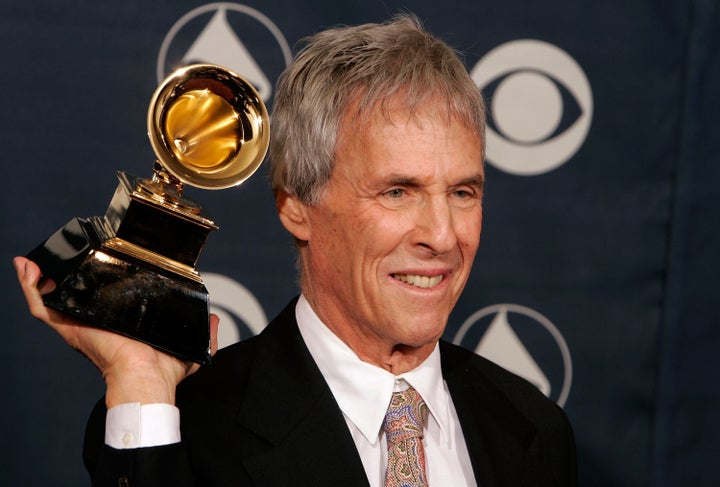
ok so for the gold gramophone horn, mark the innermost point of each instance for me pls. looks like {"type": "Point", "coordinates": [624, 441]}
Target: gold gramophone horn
{"type": "Point", "coordinates": [208, 127]}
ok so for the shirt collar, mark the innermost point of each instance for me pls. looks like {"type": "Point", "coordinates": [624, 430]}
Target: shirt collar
{"type": "Point", "coordinates": [363, 390]}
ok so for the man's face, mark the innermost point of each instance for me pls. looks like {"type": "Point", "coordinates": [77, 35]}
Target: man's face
{"type": "Point", "coordinates": [392, 240]}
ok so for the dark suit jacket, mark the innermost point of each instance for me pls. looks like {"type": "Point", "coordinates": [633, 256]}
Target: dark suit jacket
{"type": "Point", "coordinates": [263, 415]}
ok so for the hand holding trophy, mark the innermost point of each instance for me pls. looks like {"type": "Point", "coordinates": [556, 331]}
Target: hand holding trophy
{"type": "Point", "coordinates": [132, 271]}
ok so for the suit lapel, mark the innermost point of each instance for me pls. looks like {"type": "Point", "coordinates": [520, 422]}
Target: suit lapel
{"type": "Point", "coordinates": [498, 436]}
{"type": "Point", "coordinates": [289, 405]}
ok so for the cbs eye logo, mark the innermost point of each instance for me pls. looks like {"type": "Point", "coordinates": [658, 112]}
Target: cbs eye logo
{"type": "Point", "coordinates": [540, 106]}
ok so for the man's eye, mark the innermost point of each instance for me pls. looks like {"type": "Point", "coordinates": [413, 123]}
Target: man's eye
{"type": "Point", "coordinates": [466, 197]}
{"type": "Point", "coordinates": [395, 193]}
{"type": "Point", "coordinates": [463, 193]}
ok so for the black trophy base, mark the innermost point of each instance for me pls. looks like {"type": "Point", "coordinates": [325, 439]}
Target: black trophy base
{"type": "Point", "coordinates": [112, 291]}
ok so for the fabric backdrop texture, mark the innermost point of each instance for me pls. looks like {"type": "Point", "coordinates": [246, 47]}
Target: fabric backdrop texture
{"type": "Point", "coordinates": [597, 274]}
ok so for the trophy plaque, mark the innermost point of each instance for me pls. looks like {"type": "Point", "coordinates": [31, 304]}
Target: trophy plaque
{"type": "Point", "coordinates": [132, 271]}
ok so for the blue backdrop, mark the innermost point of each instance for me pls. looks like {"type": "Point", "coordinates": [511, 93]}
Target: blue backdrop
{"type": "Point", "coordinates": [597, 272]}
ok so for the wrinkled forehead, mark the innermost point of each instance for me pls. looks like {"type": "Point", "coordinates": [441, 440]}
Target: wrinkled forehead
{"type": "Point", "coordinates": [362, 112]}
{"type": "Point", "coordinates": [361, 115]}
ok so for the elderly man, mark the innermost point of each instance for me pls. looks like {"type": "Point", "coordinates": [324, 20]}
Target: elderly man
{"type": "Point", "coordinates": [377, 169]}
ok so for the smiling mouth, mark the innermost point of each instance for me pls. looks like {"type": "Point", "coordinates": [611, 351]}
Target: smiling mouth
{"type": "Point", "coordinates": [424, 282]}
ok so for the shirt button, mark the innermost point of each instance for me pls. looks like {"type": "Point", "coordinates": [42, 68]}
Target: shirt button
{"type": "Point", "coordinates": [127, 439]}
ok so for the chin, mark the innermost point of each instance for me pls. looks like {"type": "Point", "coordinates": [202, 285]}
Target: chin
{"type": "Point", "coordinates": [423, 336]}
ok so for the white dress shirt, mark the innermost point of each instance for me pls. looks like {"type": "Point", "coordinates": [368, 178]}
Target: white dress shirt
{"type": "Point", "coordinates": [362, 391]}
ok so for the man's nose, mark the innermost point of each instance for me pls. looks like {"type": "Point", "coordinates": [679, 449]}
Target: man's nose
{"type": "Point", "coordinates": [435, 227]}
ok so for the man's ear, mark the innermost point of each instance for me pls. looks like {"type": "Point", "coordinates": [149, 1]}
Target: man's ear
{"type": "Point", "coordinates": [293, 215]}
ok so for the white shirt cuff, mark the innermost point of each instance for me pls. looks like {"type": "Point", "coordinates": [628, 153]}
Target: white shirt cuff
{"type": "Point", "coordinates": [134, 425]}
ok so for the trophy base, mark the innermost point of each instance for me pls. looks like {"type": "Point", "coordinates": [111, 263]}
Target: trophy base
{"type": "Point", "coordinates": [128, 296]}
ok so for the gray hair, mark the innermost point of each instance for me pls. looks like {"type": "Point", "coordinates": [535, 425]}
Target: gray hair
{"type": "Point", "coordinates": [369, 64]}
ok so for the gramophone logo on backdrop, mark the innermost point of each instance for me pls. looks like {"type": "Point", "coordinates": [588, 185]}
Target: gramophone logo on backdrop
{"type": "Point", "coordinates": [540, 106]}
{"type": "Point", "coordinates": [524, 342]}
{"type": "Point", "coordinates": [232, 35]}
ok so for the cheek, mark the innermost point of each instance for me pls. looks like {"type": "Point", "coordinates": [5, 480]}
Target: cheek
{"type": "Point", "coordinates": [469, 236]}
{"type": "Point", "coordinates": [326, 247]}
{"type": "Point", "coordinates": [386, 241]}
{"type": "Point", "coordinates": [344, 246]}
{"type": "Point", "coordinates": [471, 225]}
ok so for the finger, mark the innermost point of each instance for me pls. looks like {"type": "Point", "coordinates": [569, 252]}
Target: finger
{"type": "Point", "coordinates": [45, 286]}
{"type": "Point", "coordinates": [214, 326]}
{"type": "Point", "coordinates": [31, 282]}
{"type": "Point", "coordinates": [20, 264]}
{"type": "Point", "coordinates": [29, 275]}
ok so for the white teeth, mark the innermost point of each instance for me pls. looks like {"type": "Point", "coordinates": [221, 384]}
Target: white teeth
{"type": "Point", "coordinates": [424, 282]}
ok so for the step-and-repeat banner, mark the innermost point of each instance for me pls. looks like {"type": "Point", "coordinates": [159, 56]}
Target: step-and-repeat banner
{"type": "Point", "coordinates": [596, 277]}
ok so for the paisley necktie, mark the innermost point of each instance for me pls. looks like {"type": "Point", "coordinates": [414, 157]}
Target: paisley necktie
{"type": "Point", "coordinates": [404, 423]}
